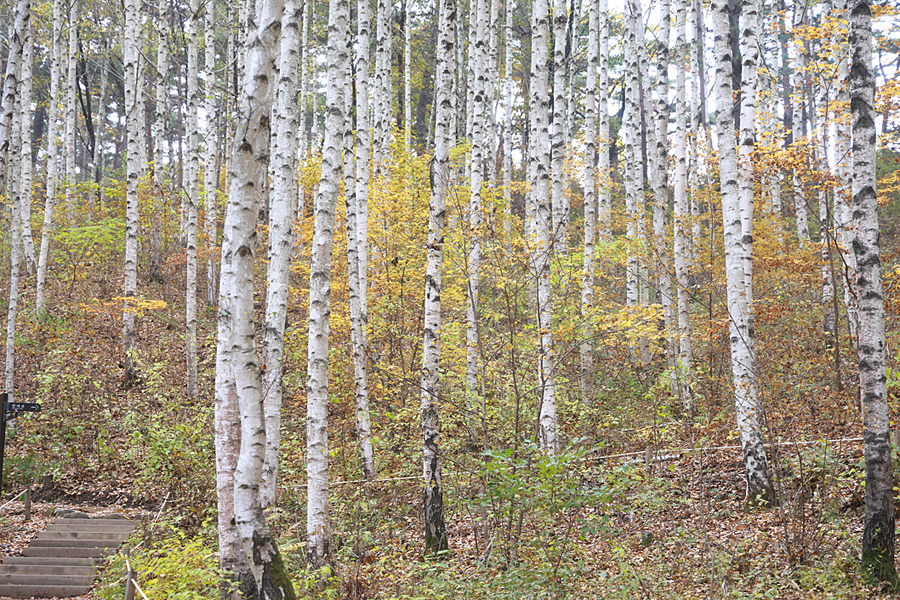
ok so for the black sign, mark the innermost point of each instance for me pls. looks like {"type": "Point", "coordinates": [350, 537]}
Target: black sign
{"type": "Point", "coordinates": [23, 406]}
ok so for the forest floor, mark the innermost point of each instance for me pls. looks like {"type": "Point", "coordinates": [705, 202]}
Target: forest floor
{"type": "Point", "coordinates": [677, 526]}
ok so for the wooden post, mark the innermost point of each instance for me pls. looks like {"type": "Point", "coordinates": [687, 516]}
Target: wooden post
{"type": "Point", "coordinates": [129, 584]}
{"type": "Point", "coordinates": [28, 503]}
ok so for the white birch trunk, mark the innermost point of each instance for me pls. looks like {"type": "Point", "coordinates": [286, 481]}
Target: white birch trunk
{"type": "Point", "coordinates": [159, 131]}
{"type": "Point", "coordinates": [843, 194]}
{"type": "Point", "coordinates": [304, 67]}
{"type": "Point", "coordinates": [541, 246]}
{"type": "Point", "coordinates": [879, 527]}
{"type": "Point", "coordinates": [248, 178]}
{"type": "Point", "coordinates": [743, 364]}
{"type": "Point", "coordinates": [604, 206]}
{"type": "Point", "coordinates": [682, 218]}
{"type": "Point", "coordinates": [586, 347]}
{"type": "Point", "coordinates": [211, 172]}
{"type": "Point", "coordinates": [16, 193]}
{"type": "Point", "coordinates": [433, 492]}
{"type": "Point", "coordinates": [24, 100]}
{"type": "Point", "coordinates": [746, 147]}
{"type": "Point", "coordinates": [192, 199]}
{"type": "Point", "coordinates": [363, 168]}
{"type": "Point", "coordinates": [133, 124]}
{"type": "Point", "coordinates": [281, 221]}
{"type": "Point", "coordinates": [560, 203]}
{"type": "Point", "coordinates": [317, 525]}
{"type": "Point", "coordinates": [71, 114]}
{"type": "Point", "coordinates": [382, 104]}
{"type": "Point", "coordinates": [407, 80]}
{"type": "Point", "coordinates": [507, 108]}
{"type": "Point", "coordinates": [634, 188]}
{"type": "Point", "coordinates": [52, 155]}
{"type": "Point", "coordinates": [477, 60]}
{"type": "Point", "coordinates": [10, 85]}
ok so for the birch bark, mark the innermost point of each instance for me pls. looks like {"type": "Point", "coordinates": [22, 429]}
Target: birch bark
{"type": "Point", "coordinates": [269, 578]}
{"type": "Point", "coordinates": [879, 527]}
{"type": "Point", "coordinates": [26, 116]}
{"type": "Point", "coordinates": [192, 199]}
{"type": "Point", "coordinates": [560, 205]}
{"type": "Point", "coordinates": [133, 123]}
{"type": "Point", "coordinates": [477, 59]}
{"type": "Point", "coordinates": [433, 491]}
{"type": "Point", "coordinates": [604, 207]}
{"type": "Point", "coordinates": [541, 244]}
{"type": "Point", "coordinates": [743, 364]}
{"type": "Point", "coordinates": [211, 172]}
{"type": "Point", "coordinates": [52, 155]}
{"type": "Point", "coordinates": [586, 347]}
{"type": "Point", "coordinates": [281, 221]}
{"type": "Point", "coordinates": [317, 525]}
{"type": "Point", "coordinates": [71, 108]}
{"type": "Point", "coordinates": [682, 218]}
{"type": "Point", "coordinates": [363, 169]}
{"type": "Point", "coordinates": [10, 85]}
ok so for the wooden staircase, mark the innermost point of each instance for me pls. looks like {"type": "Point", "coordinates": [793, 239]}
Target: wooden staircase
{"type": "Point", "coordinates": [61, 561]}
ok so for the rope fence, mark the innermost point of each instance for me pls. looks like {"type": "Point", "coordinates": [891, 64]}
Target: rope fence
{"type": "Point", "coordinates": [663, 455]}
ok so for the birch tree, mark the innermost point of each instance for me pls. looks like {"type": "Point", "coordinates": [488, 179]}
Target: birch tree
{"type": "Point", "coordinates": [23, 98]}
{"type": "Point", "coordinates": [586, 349]}
{"type": "Point", "coordinates": [560, 205]}
{"type": "Point", "coordinates": [604, 211]}
{"type": "Point", "coordinates": [10, 84]}
{"type": "Point", "coordinates": [14, 150]}
{"type": "Point", "coordinates": [540, 245]}
{"type": "Point", "coordinates": [193, 197]}
{"type": "Point", "coordinates": [71, 110]}
{"type": "Point", "coordinates": [52, 155]}
{"type": "Point", "coordinates": [361, 239]}
{"type": "Point", "coordinates": [682, 216]}
{"type": "Point", "coordinates": [879, 527]}
{"type": "Point", "coordinates": [749, 58]}
{"type": "Point", "coordinates": [743, 363]}
{"type": "Point", "coordinates": [433, 491]}
{"type": "Point", "coordinates": [211, 173]}
{"type": "Point", "coordinates": [281, 221]}
{"type": "Point", "coordinates": [266, 577]}
{"type": "Point", "coordinates": [478, 116]}
{"type": "Point", "coordinates": [317, 525]}
{"type": "Point", "coordinates": [634, 188]}
{"type": "Point", "coordinates": [133, 124]}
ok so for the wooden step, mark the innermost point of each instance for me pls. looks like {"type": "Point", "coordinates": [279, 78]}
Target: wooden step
{"type": "Point", "coordinates": [81, 535]}
{"type": "Point", "coordinates": [51, 560]}
{"type": "Point", "coordinates": [79, 543]}
{"type": "Point", "coordinates": [28, 579]}
{"type": "Point", "coordinates": [109, 523]}
{"type": "Point", "coordinates": [68, 552]}
{"type": "Point", "coordinates": [43, 590]}
{"type": "Point", "coordinates": [44, 569]}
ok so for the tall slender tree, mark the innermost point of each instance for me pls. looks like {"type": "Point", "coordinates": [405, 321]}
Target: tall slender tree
{"type": "Point", "coordinates": [133, 123]}
{"type": "Point", "coordinates": [542, 222]}
{"type": "Point", "coordinates": [682, 217]}
{"type": "Point", "coordinates": [281, 220]}
{"type": "Point", "coordinates": [361, 240]}
{"type": "Point", "coordinates": [317, 524]}
{"type": "Point", "coordinates": [743, 362]}
{"type": "Point", "coordinates": [266, 577]}
{"type": "Point", "coordinates": [586, 349]}
{"type": "Point", "coordinates": [879, 527]}
{"type": "Point", "coordinates": [560, 204]}
{"type": "Point", "coordinates": [52, 155]}
{"type": "Point", "coordinates": [433, 490]}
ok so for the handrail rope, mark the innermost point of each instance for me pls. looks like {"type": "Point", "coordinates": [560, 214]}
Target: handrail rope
{"type": "Point", "coordinates": [665, 453]}
{"type": "Point", "coordinates": [14, 498]}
